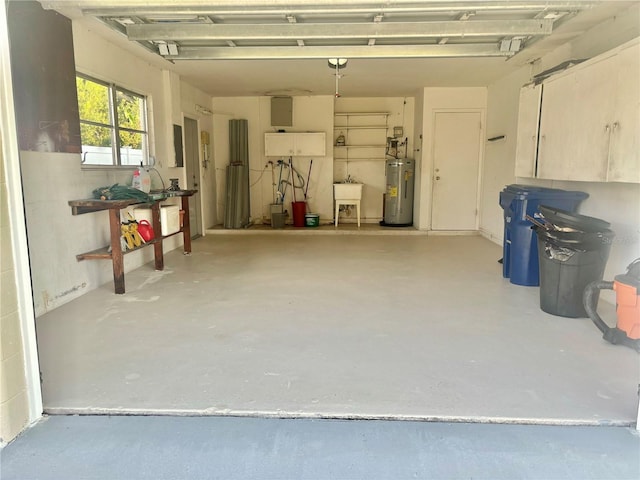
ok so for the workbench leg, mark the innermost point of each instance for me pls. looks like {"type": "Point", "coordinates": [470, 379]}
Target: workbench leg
{"type": "Point", "coordinates": [157, 231]}
{"type": "Point", "coordinates": [116, 250]}
{"type": "Point", "coordinates": [186, 226]}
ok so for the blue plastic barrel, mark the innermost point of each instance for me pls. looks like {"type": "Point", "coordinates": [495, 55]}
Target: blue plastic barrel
{"type": "Point", "coordinates": [520, 246]}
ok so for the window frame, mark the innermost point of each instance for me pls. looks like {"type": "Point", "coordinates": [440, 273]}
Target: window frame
{"type": "Point", "coordinates": [114, 126]}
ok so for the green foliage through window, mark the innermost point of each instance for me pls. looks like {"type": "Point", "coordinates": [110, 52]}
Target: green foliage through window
{"type": "Point", "coordinates": [113, 124]}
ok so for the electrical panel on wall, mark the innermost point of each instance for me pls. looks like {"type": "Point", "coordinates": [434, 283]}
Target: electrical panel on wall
{"type": "Point", "coordinates": [281, 111]}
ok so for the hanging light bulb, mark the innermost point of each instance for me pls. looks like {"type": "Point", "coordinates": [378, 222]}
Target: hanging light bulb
{"type": "Point", "coordinates": [337, 63]}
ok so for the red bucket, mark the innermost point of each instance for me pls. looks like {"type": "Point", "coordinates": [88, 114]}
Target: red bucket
{"type": "Point", "coordinates": [299, 210]}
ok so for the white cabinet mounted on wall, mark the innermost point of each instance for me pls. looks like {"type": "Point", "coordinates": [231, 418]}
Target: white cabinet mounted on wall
{"type": "Point", "coordinates": [311, 144]}
{"type": "Point", "coordinates": [584, 124]}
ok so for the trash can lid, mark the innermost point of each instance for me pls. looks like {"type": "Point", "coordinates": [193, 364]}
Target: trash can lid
{"type": "Point", "coordinates": [541, 192]}
{"type": "Point", "coordinates": [563, 218]}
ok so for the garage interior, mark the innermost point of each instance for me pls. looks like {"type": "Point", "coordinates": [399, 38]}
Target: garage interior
{"type": "Point", "coordinates": [346, 322]}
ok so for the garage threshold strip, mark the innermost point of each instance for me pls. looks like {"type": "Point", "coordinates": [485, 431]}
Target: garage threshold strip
{"type": "Point", "coordinates": [337, 416]}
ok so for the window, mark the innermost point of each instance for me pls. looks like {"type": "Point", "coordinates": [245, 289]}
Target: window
{"type": "Point", "coordinates": [113, 124]}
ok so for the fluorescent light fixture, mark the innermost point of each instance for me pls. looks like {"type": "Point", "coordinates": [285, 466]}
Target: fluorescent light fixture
{"type": "Point", "coordinates": [163, 48]}
{"type": "Point", "coordinates": [173, 49]}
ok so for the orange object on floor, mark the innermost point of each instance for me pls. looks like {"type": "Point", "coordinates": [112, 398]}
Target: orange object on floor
{"type": "Point", "coordinates": [628, 309]}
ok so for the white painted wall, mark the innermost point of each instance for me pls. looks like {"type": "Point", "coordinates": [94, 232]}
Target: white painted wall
{"type": "Point", "coordinates": [418, 154]}
{"type": "Point", "coordinates": [310, 114]}
{"type": "Point", "coordinates": [440, 99]}
{"type": "Point", "coordinates": [499, 163]}
{"type": "Point", "coordinates": [615, 202]}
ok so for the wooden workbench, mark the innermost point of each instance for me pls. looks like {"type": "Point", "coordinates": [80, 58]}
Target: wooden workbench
{"type": "Point", "coordinates": [114, 250]}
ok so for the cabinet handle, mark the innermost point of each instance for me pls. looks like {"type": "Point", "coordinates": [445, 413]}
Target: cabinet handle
{"type": "Point", "coordinates": [615, 126]}
{"type": "Point", "coordinates": [609, 129]}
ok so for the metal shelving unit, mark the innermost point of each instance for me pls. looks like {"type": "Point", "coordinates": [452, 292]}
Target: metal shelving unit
{"type": "Point", "coordinates": [363, 122]}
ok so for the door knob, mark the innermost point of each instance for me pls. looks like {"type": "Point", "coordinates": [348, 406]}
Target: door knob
{"type": "Point", "coordinates": [438, 178]}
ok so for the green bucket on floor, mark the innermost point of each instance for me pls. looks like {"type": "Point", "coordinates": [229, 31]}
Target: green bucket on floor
{"type": "Point", "coordinates": [311, 220]}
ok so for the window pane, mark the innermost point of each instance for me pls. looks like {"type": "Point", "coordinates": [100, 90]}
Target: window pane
{"type": "Point", "coordinates": [96, 145]}
{"type": "Point", "coordinates": [130, 110]}
{"type": "Point", "coordinates": [93, 101]}
{"type": "Point", "coordinates": [133, 148]}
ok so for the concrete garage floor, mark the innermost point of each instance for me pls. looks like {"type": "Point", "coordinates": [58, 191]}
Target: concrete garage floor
{"type": "Point", "coordinates": [340, 326]}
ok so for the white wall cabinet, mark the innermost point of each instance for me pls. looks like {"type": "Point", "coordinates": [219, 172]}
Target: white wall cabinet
{"type": "Point", "coordinates": [295, 144]}
{"type": "Point", "coordinates": [578, 110]}
{"type": "Point", "coordinates": [589, 122]}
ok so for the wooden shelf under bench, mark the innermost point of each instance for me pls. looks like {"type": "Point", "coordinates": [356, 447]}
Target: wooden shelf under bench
{"type": "Point", "coordinates": [81, 207]}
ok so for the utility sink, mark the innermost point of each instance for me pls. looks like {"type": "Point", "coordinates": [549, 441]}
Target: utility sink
{"type": "Point", "coordinates": [347, 194]}
{"type": "Point", "coordinates": [347, 191]}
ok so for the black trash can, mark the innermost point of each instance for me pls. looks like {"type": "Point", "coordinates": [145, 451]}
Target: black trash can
{"type": "Point", "coordinates": [573, 251]}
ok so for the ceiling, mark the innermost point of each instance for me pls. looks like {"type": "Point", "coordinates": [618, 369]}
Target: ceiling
{"type": "Point", "coordinates": [394, 48]}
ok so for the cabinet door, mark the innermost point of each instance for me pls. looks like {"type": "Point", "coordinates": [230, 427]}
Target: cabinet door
{"type": "Point", "coordinates": [594, 115]}
{"type": "Point", "coordinates": [310, 144]}
{"type": "Point", "coordinates": [276, 144]}
{"type": "Point", "coordinates": [624, 154]}
{"type": "Point", "coordinates": [527, 136]}
{"type": "Point", "coordinates": [575, 127]}
{"type": "Point", "coordinates": [557, 126]}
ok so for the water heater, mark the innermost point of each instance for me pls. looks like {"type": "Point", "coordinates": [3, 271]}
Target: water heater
{"type": "Point", "coordinates": [398, 199]}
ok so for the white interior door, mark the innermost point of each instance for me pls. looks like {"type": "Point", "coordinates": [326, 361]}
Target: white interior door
{"type": "Point", "coordinates": [192, 164]}
{"type": "Point", "coordinates": [456, 160]}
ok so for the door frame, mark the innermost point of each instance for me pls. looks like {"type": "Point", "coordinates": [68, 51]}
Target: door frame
{"type": "Point", "coordinates": [18, 231]}
{"type": "Point", "coordinates": [481, 148]}
{"type": "Point", "coordinates": [197, 205]}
